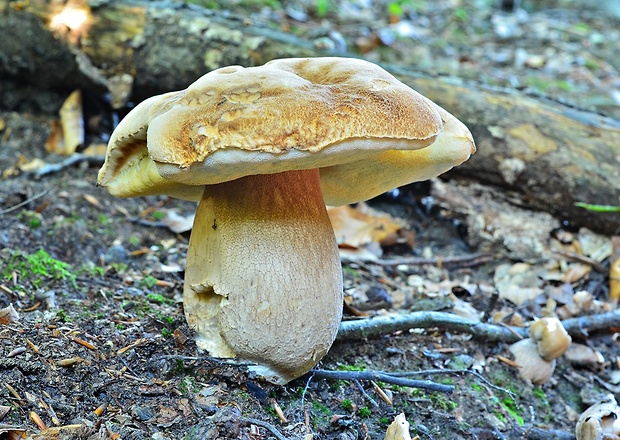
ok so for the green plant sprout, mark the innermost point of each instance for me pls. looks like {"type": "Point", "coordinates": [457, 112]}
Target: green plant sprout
{"type": "Point", "coordinates": [599, 208]}
{"type": "Point", "coordinates": [38, 268]}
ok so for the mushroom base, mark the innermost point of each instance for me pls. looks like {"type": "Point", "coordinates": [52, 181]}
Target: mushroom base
{"type": "Point", "coordinates": [263, 280]}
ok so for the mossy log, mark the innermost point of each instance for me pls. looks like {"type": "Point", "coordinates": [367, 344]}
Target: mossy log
{"type": "Point", "coordinates": [549, 153]}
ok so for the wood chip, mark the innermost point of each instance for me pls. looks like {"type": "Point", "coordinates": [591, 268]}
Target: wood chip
{"type": "Point", "coordinates": [69, 362]}
{"type": "Point", "coordinates": [32, 346]}
{"type": "Point", "coordinates": [507, 361]}
{"type": "Point", "coordinates": [84, 343]}
{"type": "Point", "coordinates": [100, 409]}
{"type": "Point", "coordinates": [130, 346]}
{"type": "Point", "coordinates": [15, 394]}
{"type": "Point", "coordinates": [37, 420]}
{"type": "Point", "coordinates": [16, 351]}
{"type": "Point", "coordinates": [382, 394]}
{"type": "Point", "coordinates": [279, 411]}
{"type": "Point", "coordinates": [93, 201]}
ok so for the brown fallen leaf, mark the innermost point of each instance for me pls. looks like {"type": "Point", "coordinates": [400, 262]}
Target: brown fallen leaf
{"type": "Point", "coordinates": [54, 141]}
{"type": "Point", "coordinates": [355, 227]}
{"type": "Point", "coordinates": [8, 315]}
{"type": "Point", "coordinates": [93, 201]}
{"type": "Point", "coordinates": [72, 123]}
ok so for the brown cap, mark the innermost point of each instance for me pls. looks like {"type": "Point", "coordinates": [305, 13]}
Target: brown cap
{"type": "Point", "coordinates": [532, 367]}
{"type": "Point", "coordinates": [551, 337]}
{"type": "Point", "coordinates": [366, 131]}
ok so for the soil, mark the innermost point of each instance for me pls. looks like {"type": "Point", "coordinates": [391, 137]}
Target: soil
{"type": "Point", "coordinates": [101, 348]}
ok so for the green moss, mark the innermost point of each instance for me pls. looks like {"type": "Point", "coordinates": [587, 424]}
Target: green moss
{"type": "Point", "coordinates": [32, 219]}
{"type": "Point", "coordinates": [38, 268]}
{"type": "Point", "coordinates": [158, 298]}
{"type": "Point", "coordinates": [189, 384]}
{"type": "Point", "coordinates": [158, 215]}
{"type": "Point", "coordinates": [62, 316]}
{"type": "Point", "coordinates": [511, 408]}
{"type": "Point", "coordinates": [356, 367]}
{"type": "Point", "coordinates": [148, 282]}
{"type": "Point", "coordinates": [347, 404]}
{"type": "Point", "coordinates": [364, 411]}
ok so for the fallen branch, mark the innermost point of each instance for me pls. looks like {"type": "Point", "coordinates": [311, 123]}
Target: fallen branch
{"type": "Point", "coordinates": [574, 256]}
{"type": "Point", "coordinates": [383, 325]}
{"type": "Point", "coordinates": [582, 325]}
{"type": "Point", "coordinates": [265, 425]}
{"type": "Point", "coordinates": [383, 377]}
{"type": "Point", "coordinates": [458, 260]}
{"type": "Point", "coordinates": [25, 202]}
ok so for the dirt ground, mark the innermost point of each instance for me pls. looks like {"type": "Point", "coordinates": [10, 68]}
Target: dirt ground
{"type": "Point", "coordinates": [101, 348]}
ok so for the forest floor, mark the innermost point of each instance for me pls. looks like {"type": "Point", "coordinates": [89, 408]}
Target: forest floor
{"type": "Point", "coordinates": [101, 347]}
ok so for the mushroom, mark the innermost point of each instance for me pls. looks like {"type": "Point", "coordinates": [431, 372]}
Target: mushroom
{"type": "Point", "coordinates": [262, 149]}
{"type": "Point", "coordinates": [532, 367]}
{"type": "Point", "coordinates": [536, 355]}
{"type": "Point", "coordinates": [551, 337]}
{"type": "Point", "coordinates": [600, 422]}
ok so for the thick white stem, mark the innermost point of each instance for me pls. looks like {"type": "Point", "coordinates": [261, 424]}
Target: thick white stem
{"type": "Point", "coordinates": [263, 280]}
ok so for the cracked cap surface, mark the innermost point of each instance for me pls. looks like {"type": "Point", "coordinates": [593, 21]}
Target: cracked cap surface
{"type": "Point", "coordinates": [366, 131]}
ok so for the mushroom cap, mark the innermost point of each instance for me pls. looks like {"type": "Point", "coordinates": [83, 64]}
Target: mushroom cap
{"type": "Point", "coordinates": [532, 367]}
{"type": "Point", "coordinates": [551, 336]}
{"type": "Point", "coordinates": [600, 421]}
{"type": "Point", "coordinates": [366, 131]}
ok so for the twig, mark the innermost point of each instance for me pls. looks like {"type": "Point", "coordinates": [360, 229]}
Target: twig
{"type": "Point", "coordinates": [582, 325]}
{"type": "Point", "coordinates": [52, 168]}
{"type": "Point", "coordinates": [383, 377]}
{"type": "Point", "coordinates": [365, 394]}
{"type": "Point", "coordinates": [458, 260]}
{"type": "Point", "coordinates": [574, 256]}
{"type": "Point", "coordinates": [265, 425]}
{"type": "Point", "coordinates": [381, 325]}
{"type": "Point", "coordinates": [25, 202]}
{"type": "Point", "coordinates": [451, 371]}
{"type": "Point", "coordinates": [303, 394]}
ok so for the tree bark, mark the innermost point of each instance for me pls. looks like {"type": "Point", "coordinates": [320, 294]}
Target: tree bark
{"type": "Point", "coordinates": [550, 153]}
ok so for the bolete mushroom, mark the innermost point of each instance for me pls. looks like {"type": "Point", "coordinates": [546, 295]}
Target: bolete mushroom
{"type": "Point", "coordinates": [262, 149]}
{"type": "Point", "coordinates": [551, 336]}
{"type": "Point", "coordinates": [536, 355]}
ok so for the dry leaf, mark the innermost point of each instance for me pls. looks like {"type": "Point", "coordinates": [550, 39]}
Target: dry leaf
{"type": "Point", "coordinates": [8, 315]}
{"type": "Point", "coordinates": [54, 140]}
{"type": "Point", "coordinates": [25, 165]}
{"type": "Point", "coordinates": [93, 201]}
{"type": "Point", "coordinates": [120, 87]}
{"type": "Point", "coordinates": [98, 149]}
{"type": "Point", "coordinates": [600, 421]}
{"type": "Point", "coordinates": [580, 354]}
{"type": "Point", "coordinates": [72, 123]}
{"type": "Point", "coordinates": [177, 223]}
{"type": "Point", "coordinates": [517, 283]}
{"type": "Point", "coordinates": [355, 228]}
{"type": "Point", "coordinates": [398, 429]}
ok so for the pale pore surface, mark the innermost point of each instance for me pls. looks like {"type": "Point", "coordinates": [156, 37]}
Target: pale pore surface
{"type": "Point", "coordinates": [263, 280]}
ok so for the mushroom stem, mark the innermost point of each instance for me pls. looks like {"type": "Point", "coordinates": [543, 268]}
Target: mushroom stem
{"type": "Point", "coordinates": [263, 280]}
